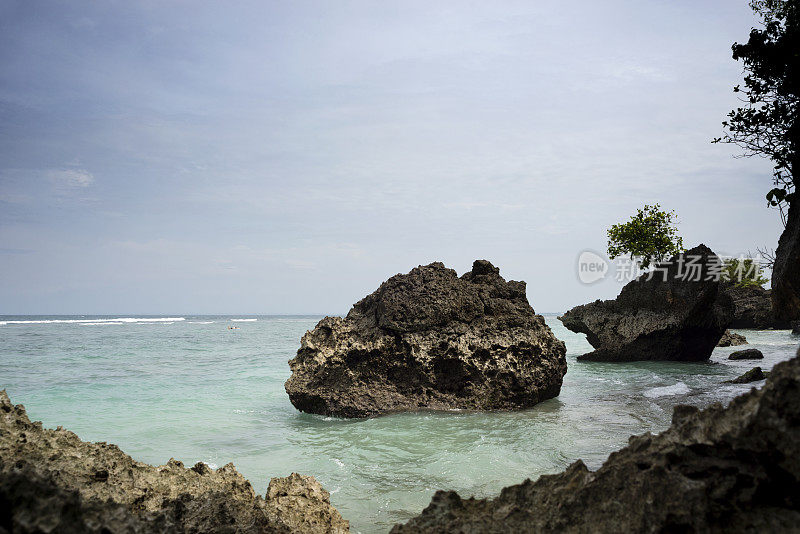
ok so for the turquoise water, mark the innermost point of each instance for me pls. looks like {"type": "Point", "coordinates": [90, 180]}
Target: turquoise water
{"type": "Point", "coordinates": [191, 388]}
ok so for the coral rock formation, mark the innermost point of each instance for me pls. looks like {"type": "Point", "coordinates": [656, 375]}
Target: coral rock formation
{"type": "Point", "coordinates": [51, 481]}
{"type": "Point", "coordinates": [430, 340]}
{"type": "Point", "coordinates": [677, 314]}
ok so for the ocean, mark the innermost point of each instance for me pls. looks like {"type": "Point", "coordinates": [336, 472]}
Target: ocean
{"type": "Point", "coordinates": [191, 388]}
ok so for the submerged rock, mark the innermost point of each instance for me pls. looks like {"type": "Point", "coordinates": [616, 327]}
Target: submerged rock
{"type": "Point", "coordinates": [734, 469]}
{"type": "Point", "coordinates": [746, 354]}
{"type": "Point", "coordinates": [51, 481]}
{"type": "Point", "coordinates": [753, 375]}
{"type": "Point", "coordinates": [731, 339]}
{"type": "Point", "coordinates": [664, 318]}
{"type": "Point", "coordinates": [430, 340]}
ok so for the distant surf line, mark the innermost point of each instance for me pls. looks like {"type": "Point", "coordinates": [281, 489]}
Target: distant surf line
{"type": "Point", "coordinates": [118, 320]}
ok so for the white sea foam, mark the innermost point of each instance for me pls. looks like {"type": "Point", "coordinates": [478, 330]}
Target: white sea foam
{"type": "Point", "coordinates": [117, 320]}
{"type": "Point", "coordinates": [243, 320]}
{"type": "Point", "coordinates": [676, 389]}
{"type": "Point", "coordinates": [150, 320]}
{"type": "Point", "coordinates": [199, 322]}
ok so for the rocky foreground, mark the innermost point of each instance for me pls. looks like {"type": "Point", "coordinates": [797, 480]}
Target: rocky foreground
{"type": "Point", "coordinates": [679, 314]}
{"type": "Point", "coordinates": [51, 481]}
{"type": "Point", "coordinates": [430, 340]}
{"type": "Point", "coordinates": [734, 469]}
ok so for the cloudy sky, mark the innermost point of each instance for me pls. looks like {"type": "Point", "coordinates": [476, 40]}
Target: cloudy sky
{"type": "Point", "coordinates": [286, 157]}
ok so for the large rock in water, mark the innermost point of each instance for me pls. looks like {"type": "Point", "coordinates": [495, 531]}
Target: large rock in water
{"type": "Point", "coordinates": [664, 318]}
{"type": "Point", "coordinates": [752, 308]}
{"type": "Point", "coordinates": [430, 340]}
{"type": "Point", "coordinates": [734, 469]}
{"type": "Point", "coordinates": [786, 269]}
{"type": "Point", "coordinates": [51, 481]}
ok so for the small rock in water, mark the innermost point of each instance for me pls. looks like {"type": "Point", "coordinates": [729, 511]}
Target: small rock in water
{"type": "Point", "coordinates": [746, 354]}
{"type": "Point", "coordinates": [753, 375]}
{"type": "Point", "coordinates": [796, 327]}
{"type": "Point", "coordinates": [731, 339]}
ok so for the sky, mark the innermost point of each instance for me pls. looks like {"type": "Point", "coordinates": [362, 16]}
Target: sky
{"type": "Point", "coordinates": [196, 157]}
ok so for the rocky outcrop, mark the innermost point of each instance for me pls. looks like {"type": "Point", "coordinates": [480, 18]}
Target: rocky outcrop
{"type": "Point", "coordinates": [795, 327]}
{"type": "Point", "coordinates": [734, 469]}
{"type": "Point", "coordinates": [746, 354]}
{"type": "Point", "coordinates": [752, 308]}
{"type": "Point", "coordinates": [731, 339]}
{"type": "Point", "coordinates": [51, 481]}
{"type": "Point", "coordinates": [786, 269]}
{"type": "Point", "coordinates": [678, 314]}
{"type": "Point", "coordinates": [301, 503]}
{"type": "Point", "coordinates": [430, 340]}
{"type": "Point", "coordinates": [753, 375]}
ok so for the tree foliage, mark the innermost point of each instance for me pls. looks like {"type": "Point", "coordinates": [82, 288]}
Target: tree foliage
{"type": "Point", "coordinates": [767, 122]}
{"type": "Point", "coordinates": [743, 272]}
{"type": "Point", "coordinates": [650, 236]}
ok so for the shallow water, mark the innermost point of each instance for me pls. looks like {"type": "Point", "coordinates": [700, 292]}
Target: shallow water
{"type": "Point", "coordinates": [191, 388]}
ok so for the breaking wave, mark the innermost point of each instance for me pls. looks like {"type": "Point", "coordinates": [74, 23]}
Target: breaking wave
{"type": "Point", "coordinates": [676, 389]}
{"type": "Point", "coordinates": [118, 320]}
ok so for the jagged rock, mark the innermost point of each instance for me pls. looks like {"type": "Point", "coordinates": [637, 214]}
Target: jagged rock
{"type": "Point", "coordinates": [753, 375]}
{"type": "Point", "coordinates": [752, 307]}
{"type": "Point", "coordinates": [301, 503]}
{"type": "Point", "coordinates": [664, 318]}
{"type": "Point", "coordinates": [430, 340]}
{"type": "Point", "coordinates": [746, 354]}
{"type": "Point", "coordinates": [731, 339]}
{"type": "Point", "coordinates": [786, 269]}
{"type": "Point", "coordinates": [734, 469]}
{"type": "Point", "coordinates": [51, 481]}
{"type": "Point", "coordinates": [795, 327]}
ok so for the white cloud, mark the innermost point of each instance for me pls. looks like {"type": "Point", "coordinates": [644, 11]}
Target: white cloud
{"type": "Point", "coordinates": [72, 177]}
{"type": "Point", "coordinates": [301, 264]}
